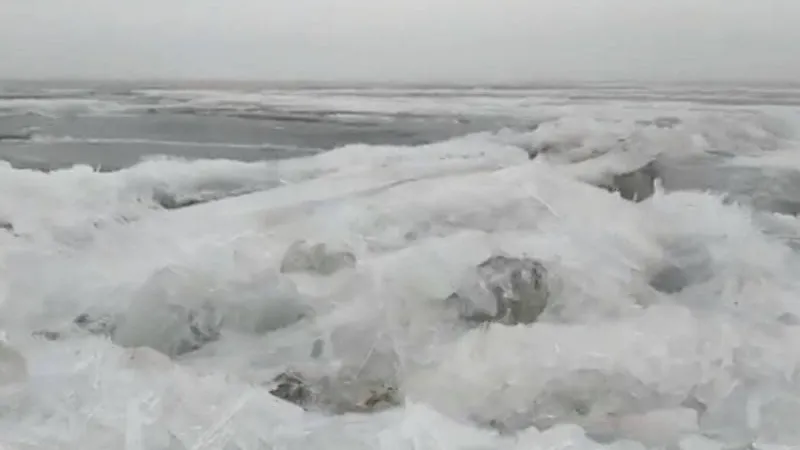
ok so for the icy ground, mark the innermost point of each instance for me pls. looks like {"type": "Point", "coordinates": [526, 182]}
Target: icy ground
{"type": "Point", "coordinates": [131, 326]}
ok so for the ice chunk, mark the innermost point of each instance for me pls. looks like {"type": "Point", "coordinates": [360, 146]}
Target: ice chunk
{"type": "Point", "coordinates": [317, 258]}
{"type": "Point", "coordinates": [777, 416]}
{"type": "Point", "coordinates": [699, 443]}
{"type": "Point", "coordinates": [566, 437]}
{"type": "Point", "coordinates": [13, 367]}
{"type": "Point", "coordinates": [171, 329]}
{"type": "Point", "coordinates": [625, 445]}
{"type": "Point", "coordinates": [586, 394]}
{"type": "Point", "coordinates": [659, 427]}
{"type": "Point", "coordinates": [730, 418]}
{"type": "Point", "coordinates": [13, 373]}
{"type": "Point", "coordinates": [144, 358]}
{"type": "Point", "coordinates": [503, 289]}
{"type": "Point", "coordinates": [179, 312]}
{"type": "Point", "coordinates": [259, 313]}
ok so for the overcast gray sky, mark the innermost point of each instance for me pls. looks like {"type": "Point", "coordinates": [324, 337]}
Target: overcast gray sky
{"type": "Point", "coordinates": [401, 40]}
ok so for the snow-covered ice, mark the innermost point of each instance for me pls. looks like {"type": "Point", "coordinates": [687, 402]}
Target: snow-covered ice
{"type": "Point", "coordinates": [193, 317]}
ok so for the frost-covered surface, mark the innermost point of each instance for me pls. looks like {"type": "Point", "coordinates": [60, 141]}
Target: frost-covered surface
{"type": "Point", "coordinates": [611, 362]}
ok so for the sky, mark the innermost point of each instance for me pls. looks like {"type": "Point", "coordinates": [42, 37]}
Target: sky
{"type": "Point", "coordinates": [401, 40]}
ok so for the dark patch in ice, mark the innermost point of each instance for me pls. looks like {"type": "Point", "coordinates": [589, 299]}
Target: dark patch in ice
{"type": "Point", "coordinates": [103, 325]}
{"type": "Point", "coordinates": [789, 319]}
{"type": "Point", "coordinates": [318, 348]}
{"type": "Point", "coordinates": [637, 185]}
{"type": "Point", "coordinates": [534, 151]}
{"type": "Point", "coordinates": [83, 323]}
{"type": "Point", "coordinates": [661, 122]}
{"type": "Point", "coordinates": [504, 290]}
{"type": "Point", "coordinates": [170, 201]}
{"type": "Point", "coordinates": [17, 136]}
{"type": "Point", "coordinates": [772, 190]}
{"type": "Point", "coordinates": [340, 396]}
{"type": "Point", "coordinates": [47, 335]}
{"type": "Point", "coordinates": [7, 226]}
{"type": "Point", "coordinates": [785, 206]}
{"type": "Point", "coordinates": [387, 396]}
{"type": "Point", "coordinates": [688, 264]}
{"type": "Point", "coordinates": [202, 331]}
{"type": "Point", "coordinates": [670, 280]}
{"type": "Point", "coordinates": [291, 386]}
{"type": "Point", "coordinates": [692, 402]}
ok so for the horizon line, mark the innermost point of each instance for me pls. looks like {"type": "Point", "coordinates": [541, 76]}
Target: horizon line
{"type": "Point", "coordinates": [533, 82]}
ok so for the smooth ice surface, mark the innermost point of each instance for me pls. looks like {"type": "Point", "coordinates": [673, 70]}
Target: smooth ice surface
{"type": "Point", "coordinates": [197, 317]}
